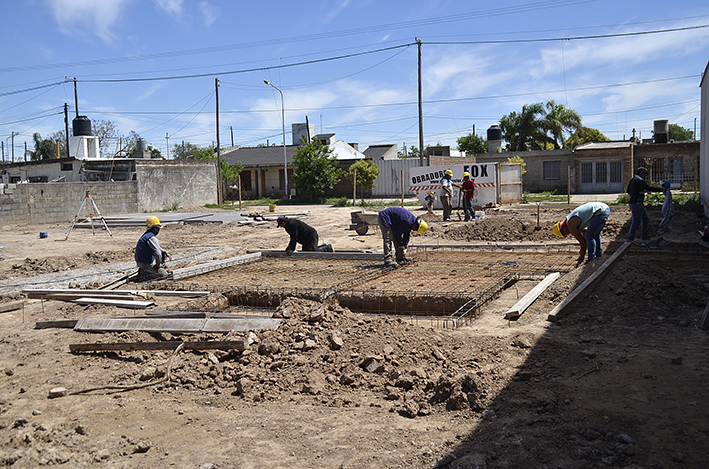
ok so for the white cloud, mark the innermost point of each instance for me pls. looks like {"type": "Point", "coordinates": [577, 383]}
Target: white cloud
{"type": "Point", "coordinates": [171, 7]}
{"type": "Point", "coordinates": [73, 17]}
{"type": "Point", "coordinates": [210, 13]}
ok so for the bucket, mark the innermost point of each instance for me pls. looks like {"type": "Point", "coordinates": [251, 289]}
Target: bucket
{"type": "Point", "coordinates": [42, 234]}
{"type": "Point", "coordinates": [272, 208]}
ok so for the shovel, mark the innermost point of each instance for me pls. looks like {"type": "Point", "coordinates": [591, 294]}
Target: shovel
{"type": "Point", "coordinates": [524, 224]}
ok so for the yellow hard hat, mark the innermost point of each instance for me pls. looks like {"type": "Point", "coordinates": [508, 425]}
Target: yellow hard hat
{"type": "Point", "coordinates": [466, 174]}
{"type": "Point", "coordinates": [423, 226]}
{"type": "Point", "coordinates": [153, 221]}
{"type": "Point", "coordinates": [448, 172]}
{"type": "Point", "coordinates": [557, 229]}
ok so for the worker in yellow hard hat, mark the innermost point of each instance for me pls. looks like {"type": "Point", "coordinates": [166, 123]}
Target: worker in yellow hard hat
{"type": "Point", "coordinates": [396, 224]}
{"type": "Point", "coordinates": [149, 256]}
{"type": "Point", "coordinates": [585, 223]}
{"type": "Point", "coordinates": [447, 194]}
{"type": "Point", "coordinates": [467, 190]}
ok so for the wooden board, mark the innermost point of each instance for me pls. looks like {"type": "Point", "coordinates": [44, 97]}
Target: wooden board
{"type": "Point", "coordinates": [133, 304]}
{"type": "Point", "coordinates": [87, 292]}
{"type": "Point", "coordinates": [11, 306]}
{"type": "Point", "coordinates": [170, 345]}
{"type": "Point", "coordinates": [516, 311]}
{"type": "Point", "coordinates": [563, 307]}
{"type": "Point", "coordinates": [174, 325]}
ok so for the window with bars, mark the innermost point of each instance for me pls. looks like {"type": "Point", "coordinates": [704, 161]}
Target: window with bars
{"type": "Point", "coordinates": [552, 170]}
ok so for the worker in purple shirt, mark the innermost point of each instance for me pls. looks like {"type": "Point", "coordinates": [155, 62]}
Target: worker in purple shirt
{"type": "Point", "coordinates": [396, 224]}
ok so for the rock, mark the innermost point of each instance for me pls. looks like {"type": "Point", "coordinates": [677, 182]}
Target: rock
{"type": "Point", "coordinates": [36, 412]}
{"type": "Point", "coordinates": [317, 313]}
{"type": "Point", "coordinates": [372, 365]}
{"type": "Point", "coordinates": [244, 386]}
{"type": "Point", "coordinates": [625, 439]}
{"type": "Point", "coordinates": [336, 341]}
{"type": "Point", "coordinates": [212, 358]}
{"type": "Point", "coordinates": [588, 353]}
{"type": "Point", "coordinates": [8, 371]}
{"type": "Point", "coordinates": [252, 338]}
{"type": "Point", "coordinates": [438, 355]}
{"type": "Point", "coordinates": [269, 348]}
{"type": "Point", "coordinates": [469, 461]}
{"type": "Point", "coordinates": [208, 465]}
{"type": "Point", "coordinates": [316, 383]}
{"type": "Point", "coordinates": [309, 344]}
{"type": "Point", "coordinates": [80, 429]}
{"type": "Point", "coordinates": [147, 375]}
{"type": "Point", "coordinates": [142, 447]}
{"type": "Point", "coordinates": [57, 392]}
{"type": "Point", "coordinates": [444, 460]}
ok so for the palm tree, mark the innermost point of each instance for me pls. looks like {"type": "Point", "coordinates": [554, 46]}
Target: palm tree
{"type": "Point", "coordinates": [560, 119]}
{"type": "Point", "coordinates": [525, 130]}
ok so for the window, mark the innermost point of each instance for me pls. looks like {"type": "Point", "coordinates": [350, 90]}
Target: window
{"type": "Point", "coordinates": [601, 172]}
{"type": "Point", "coordinates": [67, 167]}
{"type": "Point", "coordinates": [552, 170]}
{"type": "Point", "coordinates": [586, 173]}
{"type": "Point", "coordinates": [616, 172]}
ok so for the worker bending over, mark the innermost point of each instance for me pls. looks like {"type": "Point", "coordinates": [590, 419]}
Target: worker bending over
{"type": "Point", "coordinates": [301, 233]}
{"type": "Point", "coordinates": [585, 224]}
{"type": "Point", "coordinates": [397, 224]}
{"type": "Point", "coordinates": [149, 256]}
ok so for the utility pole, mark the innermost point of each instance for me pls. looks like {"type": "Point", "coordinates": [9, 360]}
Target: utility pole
{"type": "Point", "coordinates": [2, 147]}
{"type": "Point", "coordinates": [219, 152]}
{"type": "Point", "coordinates": [167, 144]}
{"type": "Point", "coordinates": [422, 155]}
{"type": "Point", "coordinates": [232, 135]}
{"type": "Point", "coordinates": [13, 144]}
{"type": "Point", "coordinates": [76, 98]}
{"type": "Point", "coordinates": [66, 127]}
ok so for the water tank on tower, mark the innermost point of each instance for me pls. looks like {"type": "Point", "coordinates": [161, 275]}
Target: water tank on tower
{"type": "Point", "coordinates": [494, 138]}
{"type": "Point", "coordinates": [81, 125]}
{"type": "Point", "coordinates": [142, 144]}
{"type": "Point", "coordinates": [661, 130]}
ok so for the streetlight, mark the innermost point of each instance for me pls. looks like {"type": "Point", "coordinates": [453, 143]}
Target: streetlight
{"type": "Point", "coordinates": [283, 120]}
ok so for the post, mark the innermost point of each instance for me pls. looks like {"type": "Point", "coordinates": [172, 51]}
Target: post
{"type": "Point", "coordinates": [354, 190]}
{"type": "Point", "coordinates": [66, 127]}
{"type": "Point", "coordinates": [13, 145]}
{"type": "Point", "coordinates": [422, 156]}
{"type": "Point", "coordinates": [568, 185]}
{"type": "Point", "coordinates": [58, 149]}
{"type": "Point", "coordinates": [239, 191]}
{"type": "Point", "coordinates": [219, 153]}
{"type": "Point", "coordinates": [76, 98]}
{"type": "Point", "coordinates": [402, 188]}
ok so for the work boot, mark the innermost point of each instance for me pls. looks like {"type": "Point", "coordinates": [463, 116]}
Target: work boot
{"type": "Point", "coordinates": [404, 260]}
{"type": "Point", "coordinates": [390, 263]}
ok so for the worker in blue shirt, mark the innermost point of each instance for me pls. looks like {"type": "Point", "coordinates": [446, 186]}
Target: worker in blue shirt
{"type": "Point", "coordinates": [396, 224]}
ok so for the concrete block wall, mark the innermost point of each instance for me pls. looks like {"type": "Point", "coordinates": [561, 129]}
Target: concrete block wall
{"type": "Point", "coordinates": [38, 203]}
{"type": "Point", "coordinates": [175, 184]}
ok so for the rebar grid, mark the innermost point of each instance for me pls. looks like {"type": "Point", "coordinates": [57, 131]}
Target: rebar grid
{"type": "Point", "coordinates": [450, 284]}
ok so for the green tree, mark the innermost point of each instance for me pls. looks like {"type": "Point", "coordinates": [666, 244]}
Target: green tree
{"type": "Point", "coordinates": [367, 173]}
{"type": "Point", "coordinates": [525, 130]}
{"type": "Point", "coordinates": [183, 151]}
{"type": "Point", "coordinates": [558, 120]}
{"type": "Point", "coordinates": [44, 149]}
{"type": "Point", "coordinates": [584, 135]}
{"type": "Point", "coordinates": [472, 143]}
{"type": "Point", "coordinates": [679, 133]}
{"type": "Point", "coordinates": [315, 168]}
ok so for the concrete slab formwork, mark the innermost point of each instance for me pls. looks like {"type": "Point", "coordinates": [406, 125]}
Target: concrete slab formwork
{"type": "Point", "coordinates": [451, 284]}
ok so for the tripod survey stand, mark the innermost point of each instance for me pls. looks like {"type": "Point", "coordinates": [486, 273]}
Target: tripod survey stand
{"type": "Point", "coordinates": [91, 216]}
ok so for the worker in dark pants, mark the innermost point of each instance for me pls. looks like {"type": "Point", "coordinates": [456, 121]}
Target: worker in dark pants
{"type": "Point", "coordinates": [396, 224]}
{"type": "Point", "coordinates": [149, 256]}
{"type": "Point", "coordinates": [301, 233]}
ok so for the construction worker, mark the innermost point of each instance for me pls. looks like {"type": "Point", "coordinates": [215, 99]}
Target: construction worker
{"type": "Point", "coordinates": [149, 256]}
{"type": "Point", "coordinates": [301, 232]}
{"type": "Point", "coordinates": [447, 194]}
{"type": "Point", "coordinates": [396, 224]}
{"type": "Point", "coordinates": [585, 224]}
{"type": "Point", "coordinates": [636, 190]}
{"type": "Point", "coordinates": [468, 190]}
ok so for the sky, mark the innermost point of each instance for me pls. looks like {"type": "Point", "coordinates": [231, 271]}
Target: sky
{"type": "Point", "coordinates": [348, 67]}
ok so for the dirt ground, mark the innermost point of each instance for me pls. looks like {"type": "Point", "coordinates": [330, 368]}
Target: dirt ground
{"type": "Point", "coordinates": [619, 381]}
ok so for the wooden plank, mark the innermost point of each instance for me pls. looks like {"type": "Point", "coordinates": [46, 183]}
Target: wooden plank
{"type": "Point", "coordinates": [65, 323]}
{"type": "Point", "coordinates": [239, 345]}
{"type": "Point", "coordinates": [76, 296]}
{"type": "Point", "coordinates": [343, 255]}
{"type": "Point", "coordinates": [11, 306]}
{"type": "Point", "coordinates": [175, 325]}
{"type": "Point", "coordinates": [703, 323]}
{"type": "Point", "coordinates": [109, 302]}
{"type": "Point", "coordinates": [562, 308]}
{"type": "Point", "coordinates": [88, 292]}
{"type": "Point", "coordinates": [200, 314]}
{"type": "Point", "coordinates": [519, 307]}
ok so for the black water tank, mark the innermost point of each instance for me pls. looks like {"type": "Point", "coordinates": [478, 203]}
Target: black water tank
{"type": "Point", "coordinates": [494, 133]}
{"type": "Point", "coordinates": [81, 125]}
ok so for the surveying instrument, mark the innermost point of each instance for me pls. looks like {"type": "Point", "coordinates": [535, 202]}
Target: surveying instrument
{"type": "Point", "coordinates": [91, 216]}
